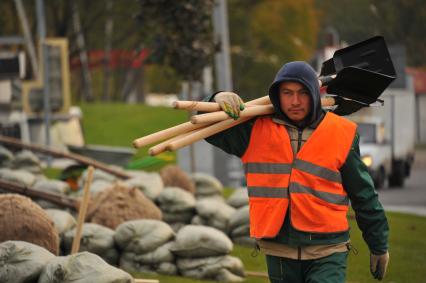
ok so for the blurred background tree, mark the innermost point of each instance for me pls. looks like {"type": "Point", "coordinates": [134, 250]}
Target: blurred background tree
{"type": "Point", "coordinates": [275, 32]}
{"type": "Point", "coordinates": [264, 34]}
{"type": "Point", "coordinates": [399, 21]}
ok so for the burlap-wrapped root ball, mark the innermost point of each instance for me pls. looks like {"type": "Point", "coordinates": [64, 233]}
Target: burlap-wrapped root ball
{"type": "Point", "coordinates": [173, 176]}
{"type": "Point", "coordinates": [119, 204]}
{"type": "Point", "coordinates": [23, 220]}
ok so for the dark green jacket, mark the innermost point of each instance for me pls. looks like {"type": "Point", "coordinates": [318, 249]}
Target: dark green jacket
{"type": "Point", "coordinates": [356, 180]}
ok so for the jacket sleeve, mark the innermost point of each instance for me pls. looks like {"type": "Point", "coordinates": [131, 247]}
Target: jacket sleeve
{"type": "Point", "coordinates": [234, 140]}
{"type": "Point", "coordinates": [369, 213]}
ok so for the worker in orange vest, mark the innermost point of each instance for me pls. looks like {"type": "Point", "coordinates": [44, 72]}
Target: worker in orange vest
{"type": "Point", "coordinates": [303, 168]}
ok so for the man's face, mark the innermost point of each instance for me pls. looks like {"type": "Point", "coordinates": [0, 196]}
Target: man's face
{"type": "Point", "coordinates": [295, 100]}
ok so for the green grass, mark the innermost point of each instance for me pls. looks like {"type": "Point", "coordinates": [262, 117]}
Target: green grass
{"type": "Point", "coordinates": [407, 255]}
{"type": "Point", "coordinates": [407, 251]}
{"type": "Point", "coordinates": [118, 124]}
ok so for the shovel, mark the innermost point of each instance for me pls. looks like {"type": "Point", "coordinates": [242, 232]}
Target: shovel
{"type": "Point", "coordinates": [354, 75]}
{"type": "Point", "coordinates": [358, 74]}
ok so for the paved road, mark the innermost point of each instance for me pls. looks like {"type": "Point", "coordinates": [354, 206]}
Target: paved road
{"type": "Point", "coordinates": [411, 198]}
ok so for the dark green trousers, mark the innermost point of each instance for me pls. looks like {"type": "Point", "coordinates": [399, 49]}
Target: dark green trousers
{"type": "Point", "coordinates": [329, 269]}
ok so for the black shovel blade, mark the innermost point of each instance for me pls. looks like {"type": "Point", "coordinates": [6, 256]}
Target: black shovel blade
{"type": "Point", "coordinates": [371, 54]}
{"type": "Point", "coordinates": [347, 107]}
{"type": "Point", "coordinates": [359, 85]}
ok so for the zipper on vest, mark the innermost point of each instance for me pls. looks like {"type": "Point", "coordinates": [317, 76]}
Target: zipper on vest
{"type": "Point", "coordinates": [299, 139]}
{"type": "Point", "coordinates": [299, 253]}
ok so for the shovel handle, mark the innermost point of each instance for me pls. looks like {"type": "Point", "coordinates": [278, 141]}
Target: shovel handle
{"type": "Point", "coordinates": [213, 106]}
{"type": "Point", "coordinates": [205, 132]}
{"type": "Point", "coordinates": [220, 115]}
{"type": "Point", "coordinates": [161, 147]}
{"type": "Point", "coordinates": [165, 134]}
{"type": "Point", "coordinates": [196, 106]}
{"type": "Point", "coordinates": [248, 112]}
{"type": "Point", "coordinates": [328, 101]}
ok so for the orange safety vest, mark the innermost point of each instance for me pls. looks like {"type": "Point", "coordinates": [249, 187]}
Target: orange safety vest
{"type": "Point", "coordinates": [310, 182]}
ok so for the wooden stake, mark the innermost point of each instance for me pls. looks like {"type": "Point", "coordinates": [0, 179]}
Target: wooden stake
{"type": "Point", "coordinates": [82, 211]}
{"type": "Point", "coordinates": [257, 274]}
{"type": "Point", "coordinates": [147, 281]}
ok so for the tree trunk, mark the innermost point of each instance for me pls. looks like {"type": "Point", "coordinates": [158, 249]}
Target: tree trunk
{"type": "Point", "coordinates": [109, 24]}
{"type": "Point", "coordinates": [87, 80]}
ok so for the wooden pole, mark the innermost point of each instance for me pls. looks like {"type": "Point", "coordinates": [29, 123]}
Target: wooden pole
{"type": "Point", "coordinates": [56, 153]}
{"type": "Point", "coordinates": [161, 147]}
{"type": "Point", "coordinates": [82, 211]}
{"type": "Point", "coordinates": [147, 281]}
{"type": "Point", "coordinates": [196, 106]}
{"type": "Point", "coordinates": [55, 198]}
{"type": "Point", "coordinates": [213, 129]}
{"type": "Point", "coordinates": [217, 116]}
{"type": "Point", "coordinates": [165, 134]}
{"type": "Point", "coordinates": [205, 132]}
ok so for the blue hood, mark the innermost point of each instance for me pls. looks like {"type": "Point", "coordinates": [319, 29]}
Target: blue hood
{"type": "Point", "coordinates": [303, 73]}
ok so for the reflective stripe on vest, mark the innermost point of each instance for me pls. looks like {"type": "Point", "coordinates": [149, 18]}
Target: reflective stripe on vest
{"type": "Point", "coordinates": [311, 180]}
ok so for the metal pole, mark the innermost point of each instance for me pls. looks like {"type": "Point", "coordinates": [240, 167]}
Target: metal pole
{"type": "Point", "coordinates": [223, 74]}
{"type": "Point", "coordinates": [222, 58]}
{"type": "Point", "coordinates": [41, 25]}
{"type": "Point", "coordinates": [28, 38]}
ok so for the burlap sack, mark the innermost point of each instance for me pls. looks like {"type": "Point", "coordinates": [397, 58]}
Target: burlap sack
{"type": "Point", "coordinates": [174, 199]}
{"type": "Point", "coordinates": [28, 161]}
{"type": "Point", "coordinates": [19, 177]}
{"type": "Point", "coordinates": [142, 236]}
{"type": "Point", "coordinates": [206, 185]}
{"type": "Point", "coordinates": [210, 268]}
{"type": "Point", "coordinates": [150, 184]}
{"type": "Point", "coordinates": [82, 267]}
{"type": "Point", "coordinates": [6, 157]}
{"type": "Point", "coordinates": [119, 204]}
{"type": "Point", "coordinates": [161, 260]}
{"type": "Point", "coordinates": [176, 226]}
{"type": "Point", "coordinates": [52, 186]}
{"type": "Point", "coordinates": [127, 263]}
{"type": "Point", "coordinates": [201, 241]}
{"type": "Point", "coordinates": [215, 213]}
{"type": "Point", "coordinates": [96, 239]}
{"type": "Point", "coordinates": [97, 175]}
{"type": "Point", "coordinates": [174, 176]}
{"type": "Point", "coordinates": [97, 186]}
{"type": "Point", "coordinates": [62, 220]}
{"type": "Point", "coordinates": [239, 198]}
{"type": "Point", "coordinates": [159, 255]}
{"type": "Point", "coordinates": [239, 218]}
{"type": "Point", "coordinates": [167, 268]}
{"type": "Point", "coordinates": [240, 231]}
{"type": "Point", "coordinates": [23, 220]}
{"type": "Point", "coordinates": [22, 262]}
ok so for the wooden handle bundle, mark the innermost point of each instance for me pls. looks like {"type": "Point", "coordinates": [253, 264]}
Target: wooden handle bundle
{"type": "Point", "coordinates": [205, 125]}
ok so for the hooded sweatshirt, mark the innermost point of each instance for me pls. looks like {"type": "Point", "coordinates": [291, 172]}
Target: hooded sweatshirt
{"type": "Point", "coordinates": [303, 73]}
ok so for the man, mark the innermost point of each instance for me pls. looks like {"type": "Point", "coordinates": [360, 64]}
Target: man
{"type": "Point", "coordinates": [302, 167]}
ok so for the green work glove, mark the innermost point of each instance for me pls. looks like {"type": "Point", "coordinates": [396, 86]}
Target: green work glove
{"type": "Point", "coordinates": [231, 103]}
{"type": "Point", "coordinates": [378, 265]}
